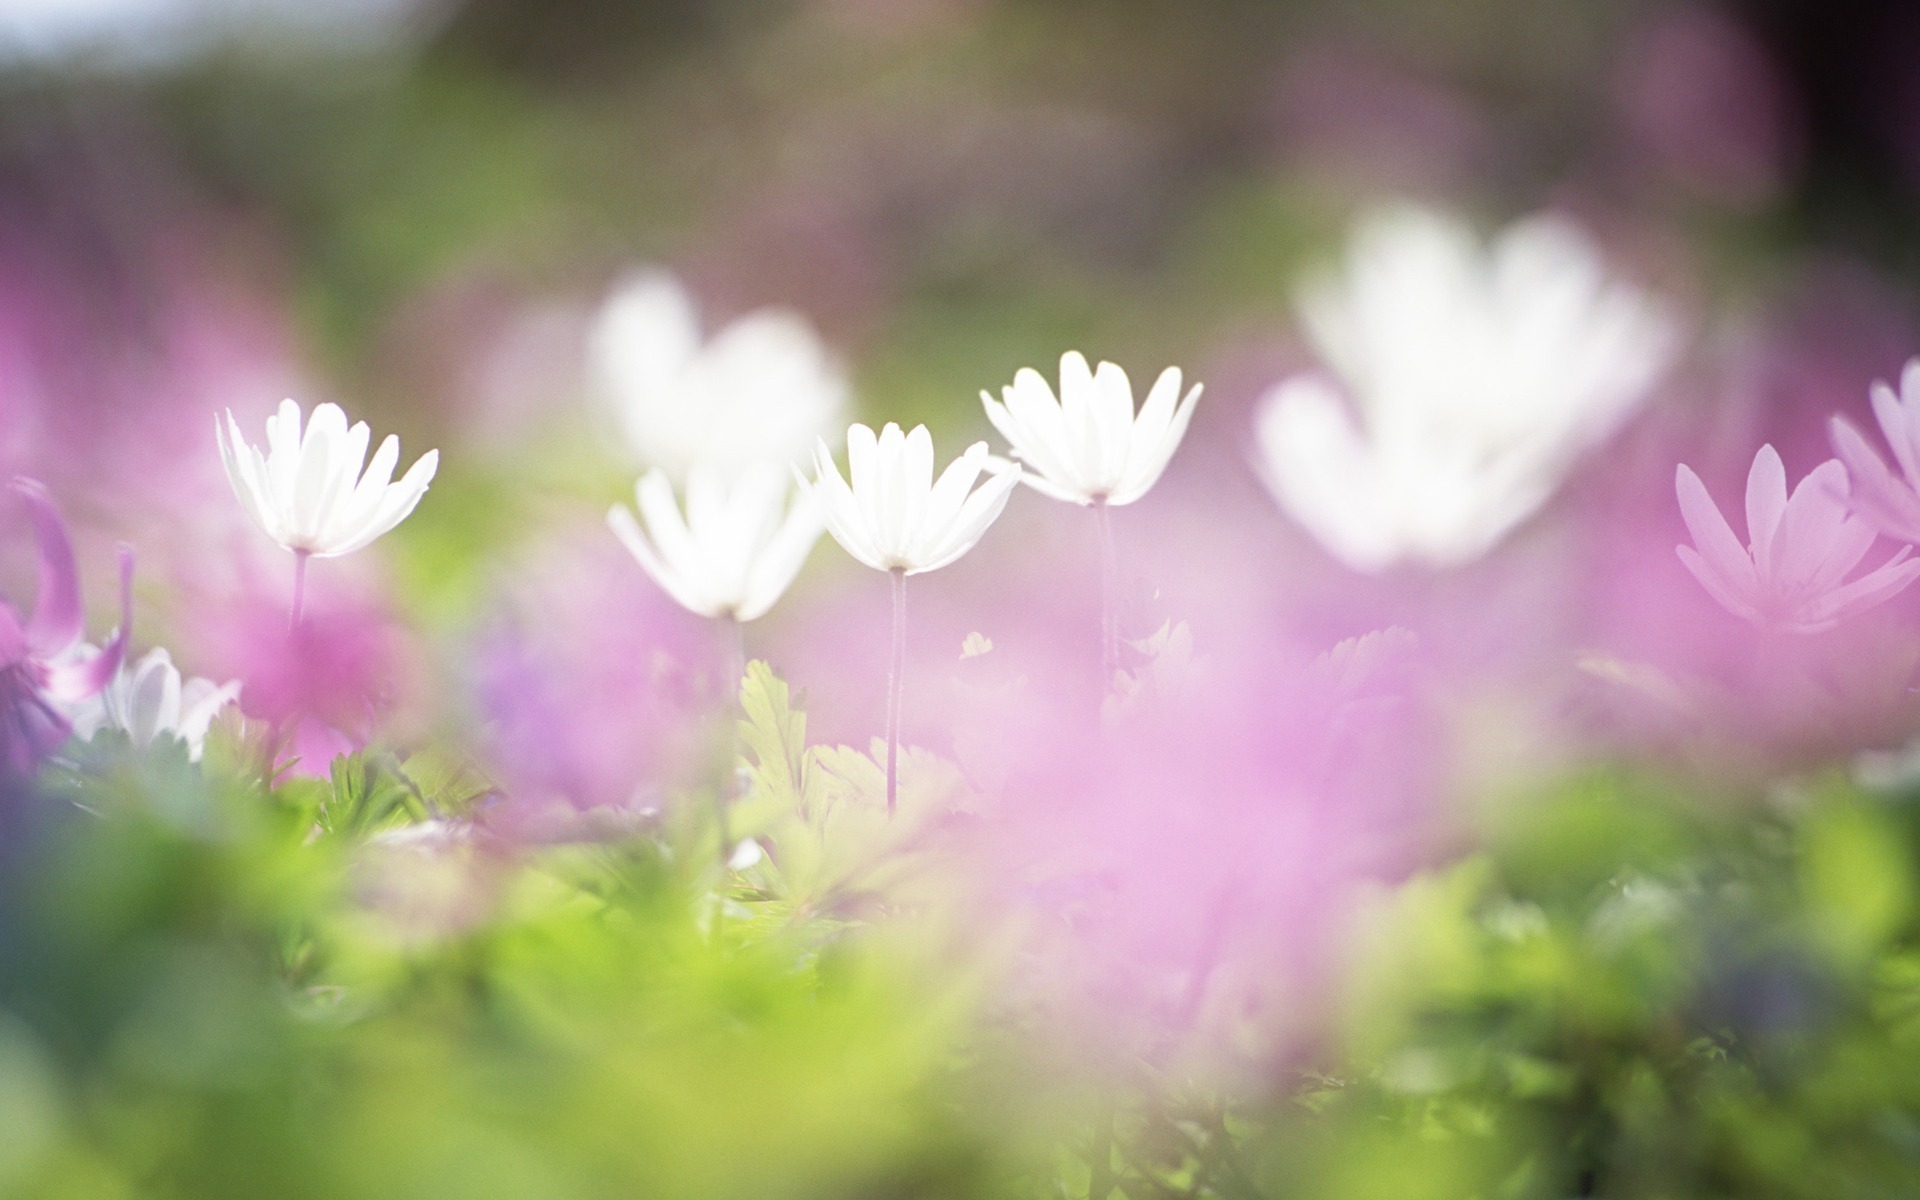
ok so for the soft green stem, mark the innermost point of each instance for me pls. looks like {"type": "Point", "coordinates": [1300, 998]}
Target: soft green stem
{"type": "Point", "coordinates": [1109, 600]}
{"type": "Point", "coordinates": [896, 668]}
{"type": "Point", "coordinates": [299, 589]}
{"type": "Point", "coordinates": [734, 644]}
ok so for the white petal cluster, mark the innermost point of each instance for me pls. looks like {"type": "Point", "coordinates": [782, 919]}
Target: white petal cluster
{"type": "Point", "coordinates": [308, 491]}
{"type": "Point", "coordinates": [1087, 446]}
{"type": "Point", "coordinates": [734, 549]}
{"type": "Point", "coordinates": [760, 390]}
{"type": "Point", "coordinates": [148, 700]}
{"type": "Point", "coordinates": [1467, 380]}
{"type": "Point", "coordinates": [895, 515]}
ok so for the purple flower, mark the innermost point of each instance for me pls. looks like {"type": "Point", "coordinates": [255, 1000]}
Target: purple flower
{"type": "Point", "coordinates": [42, 664]}
{"type": "Point", "coordinates": [1890, 504]}
{"type": "Point", "coordinates": [1800, 549]}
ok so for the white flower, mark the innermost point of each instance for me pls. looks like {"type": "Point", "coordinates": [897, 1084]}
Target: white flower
{"type": "Point", "coordinates": [894, 516]}
{"type": "Point", "coordinates": [759, 391]}
{"type": "Point", "coordinates": [736, 548]}
{"type": "Point", "coordinates": [148, 699]}
{"type": "Point", "coordinates": [1088, 446]}
{"type": "Point", "coordinates": [1471, 379]}
{"type": "Point", "coordinates": [308, 492]}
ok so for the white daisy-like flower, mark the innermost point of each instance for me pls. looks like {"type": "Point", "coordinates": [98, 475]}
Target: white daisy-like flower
{"type": "Point", "coordinates": [760, 390]}
{"type": "Point", "coordinates": [1088, 446]}
{"type": "Point", "coordinates": [1467, 379]}
{"type": "Point", "coordinates": [308, 491]}
{"type": "Point", "coordinates": [148, 700]}
{"type": "Point", "coordinates": [894, 516]}
{"type": "Point", "coordinates": [736, 547]}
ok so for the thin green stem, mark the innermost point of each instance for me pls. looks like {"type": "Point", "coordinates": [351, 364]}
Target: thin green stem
{"type": "Point", "coordinates": [1109, 598]}
{"type": "Point", "coordinates": [733, 639]}
{"type": "Point", "coordinates": [299, 589]}
{"type": "Point", "coordinates": [896, 670]}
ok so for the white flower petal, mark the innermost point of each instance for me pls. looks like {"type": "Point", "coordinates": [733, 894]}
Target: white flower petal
{"type": "Point", "coordinates": [621, 521]}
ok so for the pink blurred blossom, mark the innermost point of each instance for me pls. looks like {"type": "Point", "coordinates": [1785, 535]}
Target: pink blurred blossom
{"type": "Point", "coordinates": [1706, 107]}
{"type": "Point", "coordinates": [597, 691]}
{"type": "Point", "coordinates": [1792, 574]}
{"type": "Point", "coordinates": [42, 668]}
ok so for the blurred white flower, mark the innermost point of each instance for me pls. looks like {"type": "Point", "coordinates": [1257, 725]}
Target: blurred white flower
{"type": "Point", "coordinates": [1470, 380]}
{"type": "Point", "coordinates": [308, 492]}
{"type": "Point", "coordinates": [148, 699]}
{"type": "Point", "coordinates": [734, 550]}
{"type": "Point", "coordinates": [168, 33]}
{"type": "Point", "coordinates": [894, 516]}
{"type": "Point", "coordinates": [760, 390]}
{"type": "Point", "coordinates": [1087, 446]}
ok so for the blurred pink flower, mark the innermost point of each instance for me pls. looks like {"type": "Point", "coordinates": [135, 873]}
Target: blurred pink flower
{"type": "Point", "coordinates": [1705, 105]}
{"type": "Point", "coordinates": [1183, 874]}
{"type": "Point", "coordinates": [344, 673]}
{"type": "Point", "coordinates": [42, 665]}
{"type": "Point", "coordinates": [597, 691]}
{"type": "Point", "coordinates": [1891, 505]}
{"type": "Point", "coordinates": [1801, 546]}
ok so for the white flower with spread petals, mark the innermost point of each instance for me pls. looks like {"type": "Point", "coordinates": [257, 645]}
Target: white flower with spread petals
{"type": "Point", "coordinates": [735, 548]}
{"type": "Point", "coordinates": [760, 390]}
{"type": "Point", "coordinates": [1467, 381]}
{"type": "Point", "coordinates": [894, 516]}
{"type": "Point", "coordinates": [1088, 446]}
{"type": "Point", "coordinates": [308, 491]}
{"type": "Point", "coordinates": [148, 700]}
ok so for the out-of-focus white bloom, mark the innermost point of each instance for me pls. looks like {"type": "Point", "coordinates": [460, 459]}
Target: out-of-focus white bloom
{"type": "Point", "coordinates": [735, 548]}
{"type": "Point", "coordinates": [308, 491]}
{"type": "Point", "coordinates": [1087, 446]}
{"type": "Point", "coordinates": [149, 699]}
{"type": "Point", "coordinates": [1470, 379]}
{"type": "Point", "coordinates": [760, 390]}
{"type": "Point", "coordinates": [894, 516]}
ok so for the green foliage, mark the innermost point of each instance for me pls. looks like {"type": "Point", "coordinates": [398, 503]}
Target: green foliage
{"type": "Point", "coordinates": [344, 987]}
{"type": "Point", "coordinates": [215, 983]}
{"type": "Point", "coordinates": [823, 809]}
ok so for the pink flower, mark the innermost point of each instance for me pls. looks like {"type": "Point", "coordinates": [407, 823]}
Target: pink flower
{"type": "Point", "coordinates": [1801, 547]}
{"type": "Point", "coordinates": [1889, 504]}
{"type": "Point", "coordinates": [42, 665]}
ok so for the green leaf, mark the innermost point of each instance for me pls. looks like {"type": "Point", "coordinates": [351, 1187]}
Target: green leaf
{"type": "Point", "coordinates": [1857, 879]}
{"type": "Point", "coordinates": [773, 738]}
{"type": "Point", "coordinates": [366, 796]}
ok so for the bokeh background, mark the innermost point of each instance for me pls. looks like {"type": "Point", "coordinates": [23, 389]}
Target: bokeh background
{"type": "Point", "coordinates": [1692, 974]}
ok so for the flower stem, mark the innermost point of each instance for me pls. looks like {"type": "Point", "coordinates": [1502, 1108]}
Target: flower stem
{"type": "Point", "coordinates": [734, 643]}
{"type": "Point", "coordinates": [299, 589]}
{"type": "Point", "coordinates": [1109, 600]}
{"type": "Point", "coordinates": [896, 667]}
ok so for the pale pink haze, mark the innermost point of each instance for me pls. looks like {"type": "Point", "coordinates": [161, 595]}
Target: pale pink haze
{"type": "Point", "coordinates": [1889, 503]}
{"type": "Point", "coordinates": [1088, 446]}
{"type": "Point", "coordinates": [1791, 575]}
